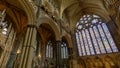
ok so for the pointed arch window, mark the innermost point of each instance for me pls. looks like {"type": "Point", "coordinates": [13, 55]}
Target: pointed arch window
{"type": "Point", "coordinates": [49, 50]}
{"type": "Point", "coordinates": [93, 36]}
{"type": "Point", "coordinates": [64, 50]}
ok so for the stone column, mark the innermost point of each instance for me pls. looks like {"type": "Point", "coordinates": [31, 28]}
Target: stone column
{"type": "Point", "coordinates": [27, 51]}
{"type": "Point", "coordinates": [70, 57]}
{"type": "Point", "coordinates": [15, 52]}
{"type": "Point", "coordinates": [8, 48]}
{"type": "Point", "coordinates": [58, 54]}
{"type": "Point", "coordinates": [74, 48]}
{"type": "Point", "coordinates": [43, 53]}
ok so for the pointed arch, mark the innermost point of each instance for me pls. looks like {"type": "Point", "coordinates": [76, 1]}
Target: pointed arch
{"type": "Point", "coordinates": [91, 10]}
{"type": "Point", "coordinates": [28, 8]}
{"type": "Point", "coordinates": [68, 40]}
{"type": "Point", "coordinates": [52, 24]}
{"type": "Point", "coordinates": [93, 36]}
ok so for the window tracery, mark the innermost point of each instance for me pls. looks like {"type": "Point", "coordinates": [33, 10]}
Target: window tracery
{"type": "Point", "coordinates": [93, 36]}
{"type": "Point", "coordinates": [64, 50]}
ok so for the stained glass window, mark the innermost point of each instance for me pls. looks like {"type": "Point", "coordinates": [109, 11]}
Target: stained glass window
{"type": "Point", "coordinates": [93, 36]}
{"type": "Point", "coordinates": [49, 50]}
{"type": "Point", "coordinates": [64, 50]}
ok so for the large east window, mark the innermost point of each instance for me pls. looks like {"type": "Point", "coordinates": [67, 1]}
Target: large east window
{"type": "Point", "coordinates": [93, 36]}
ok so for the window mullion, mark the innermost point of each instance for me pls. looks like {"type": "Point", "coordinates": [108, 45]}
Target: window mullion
{"type": "Point", "coordinates": [65, 52]}
{"type": "Point", "coordinates": [49, 50]}
{"type": "Point", "coordinates": [101, 39]}
{"type": "Point", "coordinates": [106, 37]}
{"type": "Point", "coordinates": [87, 41]}
{"type": "Point", "coordinates": [46, 50]}
{"type": "Point", "coordinates": [80, 44]}
{"type": "Point", "coordinates": [112, 42]}
{"type": "Point", "coordinates": [92, 41]}
{"type": "Point", "coordinates": [61, 52]}
{"type": "Point", "coordinates": [96, 40]}
{"type": "Point", "coordinates": [83, 43]}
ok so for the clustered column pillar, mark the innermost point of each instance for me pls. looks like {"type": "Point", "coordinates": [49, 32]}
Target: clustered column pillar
{"type": "Point", "coordinates": [8, 46]}
{"type": "Point", "coordinates": [58, 54]}
{"type": "Point", "coordinates": [74, 55]}
{"type": "Point", "coordinates": [27, 51]}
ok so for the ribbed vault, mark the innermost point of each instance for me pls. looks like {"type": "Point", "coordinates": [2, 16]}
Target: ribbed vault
{"type": "Point", "coordinates": [15, 14]}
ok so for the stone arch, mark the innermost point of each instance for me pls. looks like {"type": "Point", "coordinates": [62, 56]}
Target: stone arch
{"type": "Point", "coordinates": [96, 11]}
{"type": "Point", "coordinates": [13, 13]}
{"type": "Point", "coordinates": [28, 8]}
{"type": "Point", "coordinates": [68, 6]}
{"type": "Point", "coordinates": [68, 39]}
{"type": "Point", "coordinates": [52, 24]}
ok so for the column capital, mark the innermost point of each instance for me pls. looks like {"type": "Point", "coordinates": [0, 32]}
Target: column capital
{"type": "Point", "coordinates": [31, 26]}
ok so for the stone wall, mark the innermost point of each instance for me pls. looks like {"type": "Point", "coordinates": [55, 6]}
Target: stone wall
{"type": "Point", "coordinates": [100, 61]}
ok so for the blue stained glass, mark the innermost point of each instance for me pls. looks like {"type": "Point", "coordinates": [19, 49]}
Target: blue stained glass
{"type": "Point", "coordinates": [85, 42]}
{"type": "Point", "coordinates": [94, 36]}
{"type": "Point", "coordinates": [102, 49]}
{"type": "Point", "coordinates": [78, 44]}
{"type": "Point", "coordinates": [94, 21]}
{"type": "Point", "coordinates": [79, 27]}
{"type": "Point", "coordinates": [94, 41]}
{"type": "Point", "coordinates": [89, 42]}
{"type": "Point", "coordinates": [112, 44]}
{"type": "Point", "coordinates": [107, 46]}
{"type": "Point", "coordinates": [82, 45]}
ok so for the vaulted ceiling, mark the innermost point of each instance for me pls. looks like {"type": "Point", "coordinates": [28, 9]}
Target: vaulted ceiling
{"type": "Point", "coordinates": [69, 11]}
{"type": "Point", "coordinates": [72, 10]}
{"type": "Point", "coordinates": [46, 33]}
{"type": "Point", "coordinates": [15, 14]}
